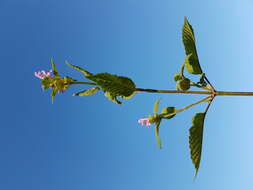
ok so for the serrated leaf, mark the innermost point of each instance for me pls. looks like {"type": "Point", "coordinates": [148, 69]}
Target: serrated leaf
{"type": "Point", "coordinates": [157, 128]}
{"type": "Point", "coordinates": [190, 48]}
{"type": "Point", "coordinates": [168, 110]}
{"type": "Point", "coordinates": [128, 97]}
{"type": "Point", "coordinates": [55, 71]}
{"type": "Point", "coordinates": [156, 105]}
{"type": "Point", "coordinates": [86, 73]}
{"type": "Point", "coordinates": [196, 139]}
{"type": "Point", "coordinates": [87, 92]}
{"type": "Point", "coordinates": [114, 86]}
{"type": "Point", "coordinates": [188, 65]}
{"type": "Point", "coordinates": [112, 98]}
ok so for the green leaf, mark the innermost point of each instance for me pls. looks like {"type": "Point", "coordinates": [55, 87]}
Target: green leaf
{"type": "Point", "coordinates": [87, 92]}
{"type": "Point", "coordinates": [114, 86]}
{"type": "Point", "coordinates": [156, 105]}
{"type": "Point", "coordinates": [192, 61]}
{"type": "Point", "coordinates": [86, 73]}
{"type": "Point", "coordinates": [168, 110]}
{"type": "Point", "coordinates": [157, 127]}
{"type": "Point", "coordinates": [189, 66]}
{"type": "Point", "coordinates": [128, 97]}
{"type": "Point", "coordinates": [112, 98]}
{"type": "Point", "coordinates": [55, 71]}
{"type": "Point", "coordinates": [53, 94]}
{"type": "Point", "coordinates": [196, 139]}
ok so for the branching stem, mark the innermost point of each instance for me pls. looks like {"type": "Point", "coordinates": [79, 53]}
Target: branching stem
{"type": "Point", "coordinates": [216, 93]}
{"type": "Point", "coordinates": [171, 91]}
{"type": "Point", "coordinates": [189, 106]}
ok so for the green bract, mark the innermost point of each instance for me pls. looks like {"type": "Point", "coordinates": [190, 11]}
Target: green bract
{"type": "Point", "coordinates": [86, 73]}
{"type": "Point", "coordinates": [55, 71]}
{"type": "Point", "coordinates": [177, 76]}
{"type": "Point", "coordinates": [47, 82]}
{"type": "Point", "coordinates": [157, 128]}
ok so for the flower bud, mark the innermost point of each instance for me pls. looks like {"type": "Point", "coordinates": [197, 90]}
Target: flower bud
{"type": "Point", "coordinates": [183, 84]}
{"type": "Point", "coordinates": [169, 110]}
{"type": "Point", "coordinates": [154, 118]}
{"type": "Point", "coordinates": [177, 77]}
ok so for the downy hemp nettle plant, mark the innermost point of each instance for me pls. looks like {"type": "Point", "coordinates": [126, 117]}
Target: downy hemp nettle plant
{"type": "Point", "coordinates": [115, 86]}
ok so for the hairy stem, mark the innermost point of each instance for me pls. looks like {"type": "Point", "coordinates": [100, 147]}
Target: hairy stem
{"type": "Point", "coordinates": [171, 91]}
{"type": "Point", "coordinates": [89, 83]}
{"type": "Point", "coordinates": [223, 93]}
{"type": "Point", "coordinates": [216, 93]}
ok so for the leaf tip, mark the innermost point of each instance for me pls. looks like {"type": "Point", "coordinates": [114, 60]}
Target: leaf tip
{"type": "Point", "coordinates": [66, 62]}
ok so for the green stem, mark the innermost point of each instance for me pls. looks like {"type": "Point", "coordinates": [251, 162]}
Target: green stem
{"type": "Point", "coordinates": [89, 83]}
{"type": "Point", "coordinates": [198, 86]}
{"type": "Point", "coordinates": [189, 106]}
{"type": "Point", "coordinates": [216, 93]}
{"type": "Point", "coordinates": [182, 70]}
{"type": "Point", "coordinates": [223, 93]}
{"type": "Point", "coordinates": [171, 91]}
{"type": "Point", "coordinates": [209, 84]}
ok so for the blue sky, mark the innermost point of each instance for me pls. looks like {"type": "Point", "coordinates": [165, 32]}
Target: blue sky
{"type": "Point", "coordinates": [91, 143]}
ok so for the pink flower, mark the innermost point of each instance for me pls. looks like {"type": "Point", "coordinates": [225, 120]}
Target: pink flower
{"type": "Point", "coordinates": [43, 74]}
{"type": "Point", "coordinates": [144, 121]}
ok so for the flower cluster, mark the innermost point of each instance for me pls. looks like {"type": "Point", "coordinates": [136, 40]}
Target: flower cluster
{"type": "Point", "coordinates": [43, 74]}
{"type": "Point", "coordinates": [144, 121]}
{"type": "Point", "coordinates": [51, 79]}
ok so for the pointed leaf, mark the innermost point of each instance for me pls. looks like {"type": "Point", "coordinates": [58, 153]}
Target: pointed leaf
{"type": "Point", "coordinates": [86, 73]}
{"type": "Point", "coordinates": [190, 49]}
{"type": "Point", "coordinates": [87, 92]}
{"type": "Point", "coordinates": [196, 138]}
{"type": "Point", "coordinates": [114, 86]}
{"type": "Point", "coordinates": [55, 71]}
{"type": "Point", "coordinates": [157, 127]}
{"type": "Point", "coordinates": [156, 105]}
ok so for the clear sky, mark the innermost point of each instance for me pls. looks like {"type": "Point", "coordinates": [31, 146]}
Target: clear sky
{"type": "Point", "coordinates": [91, 143]}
